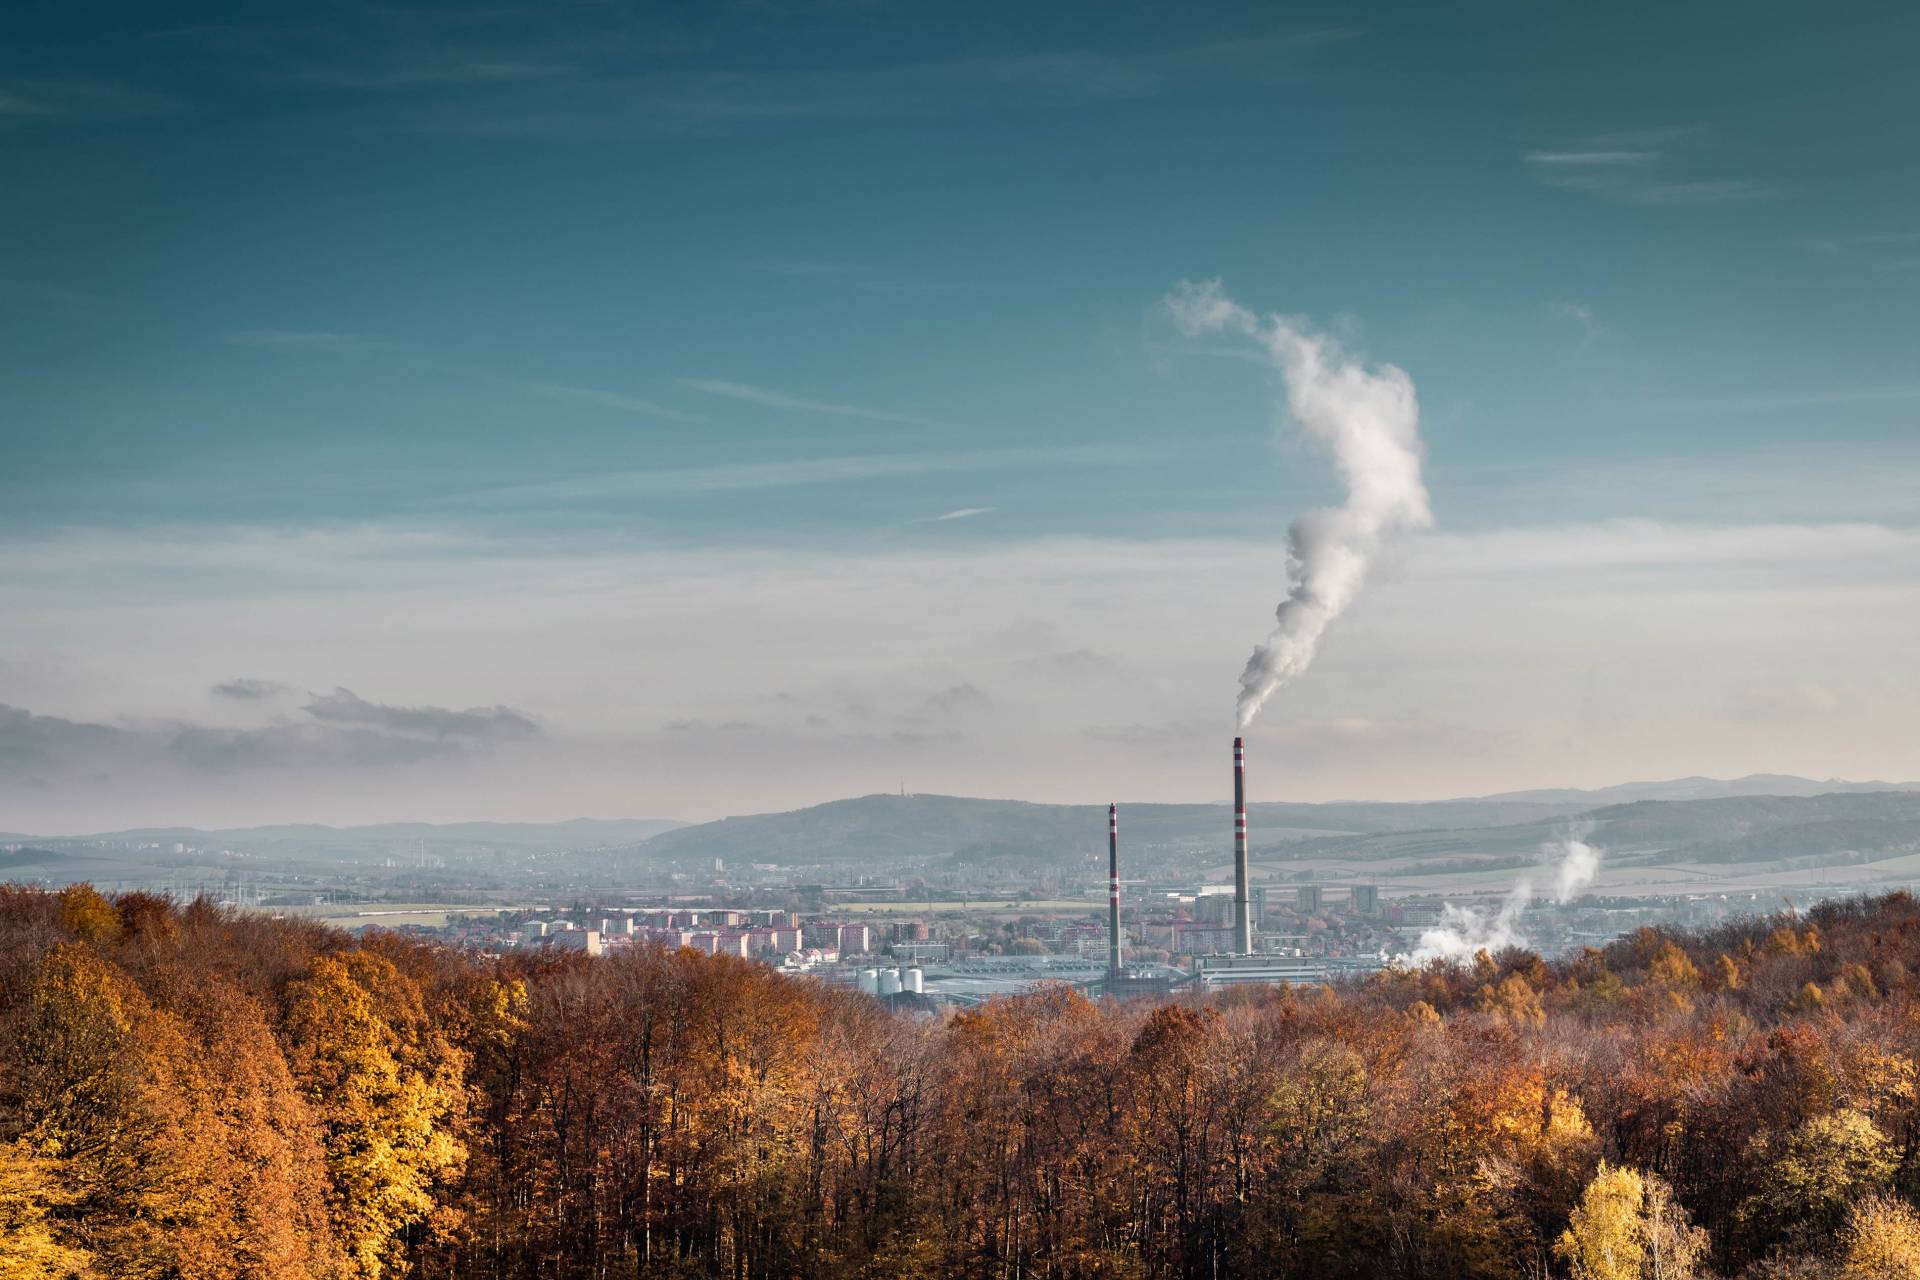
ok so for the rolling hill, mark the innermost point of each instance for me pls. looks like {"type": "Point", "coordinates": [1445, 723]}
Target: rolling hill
{"type": "Point", "coordinates": [892, 830]}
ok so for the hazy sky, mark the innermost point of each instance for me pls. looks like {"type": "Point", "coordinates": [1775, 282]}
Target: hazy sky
{"type": "Point", "coordinates": [472, 412]}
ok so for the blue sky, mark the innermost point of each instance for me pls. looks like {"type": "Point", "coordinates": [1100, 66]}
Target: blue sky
{"type": "Point", "coordinates": [295, 298]}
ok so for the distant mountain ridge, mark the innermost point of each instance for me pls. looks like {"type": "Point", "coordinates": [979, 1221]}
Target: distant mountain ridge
{"type": "Point", "coordinates": [1699, 788]}
{"type": "Point", "coordinates": [1874, 825]}
{"type": "Point", "coordinates": [899, 829]}
{"type": "Point", "coordinates": [573, 832]}
{"type": "Point", "coordinates": [915, 828]}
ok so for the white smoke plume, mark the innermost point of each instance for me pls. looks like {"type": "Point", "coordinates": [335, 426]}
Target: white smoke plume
{"type": "Point", "coordinates": [1464, 932]}
{"type": "Point", "coordinates": [1579, 863]}
{"type": "Point", "coordinates": [1368, 421]}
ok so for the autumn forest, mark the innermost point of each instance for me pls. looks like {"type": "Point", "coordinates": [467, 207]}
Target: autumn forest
{"type": "Point", "coordinates": [187, 1092]}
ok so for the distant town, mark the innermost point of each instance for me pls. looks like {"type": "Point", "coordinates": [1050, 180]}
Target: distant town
{"type": "Point", "coordinates": [928, 901]}
{"type": "Point", "coordinates": [919, 942]}
{"type": "Point", "coordinates": [963, 952]}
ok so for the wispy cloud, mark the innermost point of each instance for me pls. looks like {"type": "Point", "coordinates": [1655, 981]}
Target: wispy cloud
{"type": "Point", "coordinates": [1635, 544]}
{"type": "Point", "coordinates": [799, 404]}
{"type": "Point", "coordinates": [1579, 315]}
{"type": "Point", "coordinates": [477, 70]}
{"type": "Point", "coordinates": [693, 724]}
{"type": "Point", "coordinates": [339, 730]}
{"type": "Point", "coordinates": [1884, 238]}
{"type": "Point", "coordinates": [806, 268]}
{"type": "Point", "coordinates": [955, 700]}
{"type": "Point", "coordinates": [297, 340]}
{"type": "Point", "coordinates": [1073, 664]}
{"type": "Point", "coordinates": [609, 400]}
{"type": "Point", "coordinates": [1591, 159]}
{"type": "Point", "coordinates": [965, 513]}
{"type": "Point", "coordinates": [1637, 168]}
{"type": "Point", "coordinates": [1882, 251]}
{"type": "Point", "coordinates": [783, 473]}
{"type": "Point", "coordinates": [52, 297]}
{"type": "Point", "coordinates": [682, 100]}
{"type": "Point", "coordinates": [322, 340]}
{"type": "Point", "coordinates": [495, 724]}
{"type": "Point", "coordinates": [848, 275]}
{"type": "Point", "coordinates": [247, 689]}
{"type": "Point", "coordinates": [13, 104]}
{"type": "Point", "coordinates": [52, 101]}
{"type": "Point", "coordinates": [1769, 401]}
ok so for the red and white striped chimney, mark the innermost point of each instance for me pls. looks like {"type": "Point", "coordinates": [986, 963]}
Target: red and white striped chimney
{"type": "Point", "coordinates": [1242, 906]}
{"type": "Point", "coordinates": [1113, 891]}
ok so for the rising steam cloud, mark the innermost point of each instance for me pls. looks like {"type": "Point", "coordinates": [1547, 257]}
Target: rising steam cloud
{"type": "Point", "coordinates": [1464, 932]}
{"type": "Point", "coordinates": [1368, 421]}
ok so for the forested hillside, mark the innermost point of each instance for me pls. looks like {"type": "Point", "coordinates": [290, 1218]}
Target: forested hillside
{"type": "Point", "coordinates": [186, 1093]}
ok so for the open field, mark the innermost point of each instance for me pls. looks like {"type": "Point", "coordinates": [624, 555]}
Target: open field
{"type": "Point", "coordinates": [390, 915]}
{"type": "Point", "coordinates": [1624, 877]}
{"type": "Point", "coordinates": [976, 906]}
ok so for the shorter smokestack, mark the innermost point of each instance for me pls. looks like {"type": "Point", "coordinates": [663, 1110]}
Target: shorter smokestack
{"type": "Point", "coordinates": [1113, 891]}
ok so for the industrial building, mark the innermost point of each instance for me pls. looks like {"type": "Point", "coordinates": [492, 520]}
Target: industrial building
{"type": "Point", "coordinates": [1213, 972]}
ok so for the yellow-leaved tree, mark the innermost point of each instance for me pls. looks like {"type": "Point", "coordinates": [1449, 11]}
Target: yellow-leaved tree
{"type": "Point", "coordinates": [1812, 1176]}
{"type": "Point", "coordinates": [30, 1191]}
{"type": "Point", "coordinates": [1627, 1227]}
{"type": "Point", "coordinates": [107, 1119]}
{"type": "Point", "coordinates": [1881, 1240]}
{"type": "Point", "coordinates": [384, 1108]}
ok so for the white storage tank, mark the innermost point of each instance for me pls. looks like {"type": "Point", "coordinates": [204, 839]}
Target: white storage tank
{"type": "Point", "coordinates": [890, 982]}
{"type": "Point", "coordinates": [913, 980]}
{"type": "Point", "coordinates": [870, 981]}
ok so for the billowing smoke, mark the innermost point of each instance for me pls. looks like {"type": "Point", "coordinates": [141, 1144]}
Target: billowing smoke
{"type": "Point", "coordinates": [1579, 863]}
{"type": "Point", "coordinates": [1369, 423]}
{"type": "Point", "coordinates": [1463, 931]}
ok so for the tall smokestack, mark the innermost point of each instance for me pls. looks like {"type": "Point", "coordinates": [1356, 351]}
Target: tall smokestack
{"type": "Point", "coordinates": [1242, 910]}
{"type": "Point", "coordinates": [1113, 891]}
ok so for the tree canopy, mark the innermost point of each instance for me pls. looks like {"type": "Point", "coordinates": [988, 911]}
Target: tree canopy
{"type": "Point", "coordinates": [187, 1092]}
